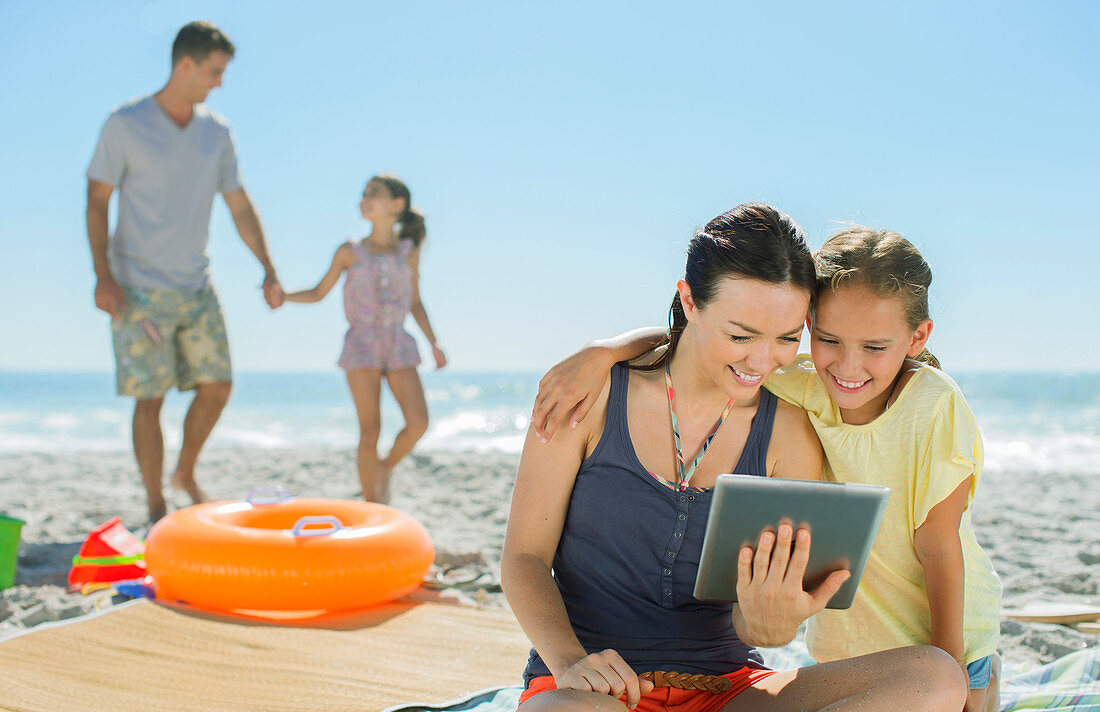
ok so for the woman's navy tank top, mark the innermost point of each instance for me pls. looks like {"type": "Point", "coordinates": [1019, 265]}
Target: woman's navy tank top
{"type": "Point", "coordinates": [629, 553]}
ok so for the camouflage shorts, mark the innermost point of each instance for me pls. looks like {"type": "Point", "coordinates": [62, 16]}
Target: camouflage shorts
{"type": "Point", "coordinates": [167, 338]}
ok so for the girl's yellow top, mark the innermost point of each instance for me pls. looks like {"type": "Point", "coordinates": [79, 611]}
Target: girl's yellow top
{"type": "Point", "coordinates": [922, 447]}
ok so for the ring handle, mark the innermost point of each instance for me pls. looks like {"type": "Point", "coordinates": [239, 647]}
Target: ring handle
{"type": "Point", "coordinates": [267, 494]}
{"type": "Point", "coordinates": [334, 524]}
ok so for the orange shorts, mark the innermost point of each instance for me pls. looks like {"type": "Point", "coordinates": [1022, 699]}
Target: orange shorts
{"type": "Point", "coordinates": [669, 699]}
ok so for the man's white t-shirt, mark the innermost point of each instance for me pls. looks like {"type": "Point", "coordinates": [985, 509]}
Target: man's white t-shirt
{"type": "Point", "coordinates": [166, 177]}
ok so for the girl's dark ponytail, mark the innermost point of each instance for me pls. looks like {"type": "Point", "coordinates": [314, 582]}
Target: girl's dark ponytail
{"type": "Point", "coordinates": [412, 220]}
{"type": "Point", "coordinates": [412, 226]}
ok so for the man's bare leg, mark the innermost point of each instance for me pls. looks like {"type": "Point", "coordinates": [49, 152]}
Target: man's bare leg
{"type": "Point", "coordinates": [202, 415]}
{"type": "Point", "coordinates": [149, 453]}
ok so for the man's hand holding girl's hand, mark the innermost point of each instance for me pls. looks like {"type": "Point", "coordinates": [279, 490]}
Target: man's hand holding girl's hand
{"type": "Point", "coordinates": [273, 291]}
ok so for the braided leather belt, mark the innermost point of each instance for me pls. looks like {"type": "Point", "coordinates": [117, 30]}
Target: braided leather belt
{"type": "Point", "coordinates": [687, 681]}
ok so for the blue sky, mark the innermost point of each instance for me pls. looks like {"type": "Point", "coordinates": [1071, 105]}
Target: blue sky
{"type": "Point", "coordinates": [563, 152]}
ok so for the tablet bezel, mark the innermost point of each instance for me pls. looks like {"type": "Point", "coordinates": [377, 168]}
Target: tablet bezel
{"type": "Point", "coordinates": [843, 519]}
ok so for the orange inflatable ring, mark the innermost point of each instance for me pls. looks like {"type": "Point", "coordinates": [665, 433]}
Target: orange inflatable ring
{"type": "Point", "coordinates": [303, 555]}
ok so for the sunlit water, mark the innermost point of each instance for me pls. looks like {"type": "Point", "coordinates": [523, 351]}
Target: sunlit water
{"type": "Point", "coordinates": [1030, 422]}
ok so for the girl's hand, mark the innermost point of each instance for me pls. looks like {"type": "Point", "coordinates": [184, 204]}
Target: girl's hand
{"type": "Point", "coordinates": [572, 386]}
{"type": "Point", "coordinates": [439, 356]}
{"type": "Point", "coordinates": [769, 586]}
{"type": "Point", "coordinates": [607, 673]}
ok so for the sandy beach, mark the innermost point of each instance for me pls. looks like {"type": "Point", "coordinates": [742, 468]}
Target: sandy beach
{"type": "Point", "coordinates": [1040, 531]}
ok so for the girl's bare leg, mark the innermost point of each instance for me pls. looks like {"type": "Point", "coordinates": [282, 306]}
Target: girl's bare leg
{"type": "Point", "coordinates": [989, 699]}
{"type": "Point", "coordinates": [366, 391]}
{"type": "Point", "coordinates": [918, 679]}
{"type": "Point", "coordinates": [409, 393]}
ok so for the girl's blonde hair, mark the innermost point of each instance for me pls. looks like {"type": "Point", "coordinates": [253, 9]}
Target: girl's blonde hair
{"type": "Point", "coordinates": [884, 262]}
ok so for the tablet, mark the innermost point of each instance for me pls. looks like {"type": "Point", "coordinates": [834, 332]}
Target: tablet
{"type": "Point", "coordinates": [842, 519]}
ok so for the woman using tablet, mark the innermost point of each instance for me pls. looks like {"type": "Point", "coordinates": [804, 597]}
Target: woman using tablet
{"type": "Point", "coordinates": [607, 520]}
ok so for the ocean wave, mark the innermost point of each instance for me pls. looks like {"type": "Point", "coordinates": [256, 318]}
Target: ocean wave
{"type": "Point", "coordinates": [1063, 453]}
{"type": "Point", "coordinates": [109, 431]}
{"type": "Point", "coordinates": [1010, 445]}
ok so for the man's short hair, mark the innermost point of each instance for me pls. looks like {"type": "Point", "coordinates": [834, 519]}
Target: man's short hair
{"type": "Point", "coordinates": [197, 40]}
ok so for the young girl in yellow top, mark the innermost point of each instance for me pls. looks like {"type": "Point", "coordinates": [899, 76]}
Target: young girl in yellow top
{"type": "Point", "coordinates": [882, 418]}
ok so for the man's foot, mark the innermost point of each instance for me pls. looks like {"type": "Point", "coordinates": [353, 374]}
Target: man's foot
{"type": "Point", "coordinates": [187, 484]}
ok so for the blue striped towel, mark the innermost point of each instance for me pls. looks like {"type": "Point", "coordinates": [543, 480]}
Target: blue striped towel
{"type": "Point", "coordinates": [1069, 684]}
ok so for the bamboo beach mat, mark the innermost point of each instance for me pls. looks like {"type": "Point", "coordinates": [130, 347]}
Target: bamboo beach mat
{"type": "Point", "coordinates": [148, 657]}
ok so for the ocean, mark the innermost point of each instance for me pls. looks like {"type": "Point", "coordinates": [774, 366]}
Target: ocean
{"type": "Point", "coordinates": [1032, 423]}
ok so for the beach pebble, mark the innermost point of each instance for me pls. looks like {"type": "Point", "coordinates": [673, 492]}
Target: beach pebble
{"type": "Point", "coordinates": [1027, 644]}
{"type": "Point", "coordinates": [72, 611]}
{"type": "Point", "coordinates": [1091, 555]}
{"type": "Point", "coordinates": [36, 614]}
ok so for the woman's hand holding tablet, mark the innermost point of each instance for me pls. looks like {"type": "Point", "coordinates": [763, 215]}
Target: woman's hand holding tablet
{"type": "Point", "coordinates": [788, 580]}
{"type": "Point", "coordinates": [769, 587]}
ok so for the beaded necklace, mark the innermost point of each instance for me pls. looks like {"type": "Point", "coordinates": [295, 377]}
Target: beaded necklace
{"type": "Point", "coordinates": [684, 475]}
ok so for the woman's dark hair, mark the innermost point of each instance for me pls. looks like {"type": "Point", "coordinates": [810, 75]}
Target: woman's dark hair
{"type": "Point", "coordinates": [884, 262]}
{"type": "Point", "coordinates": [752, 241]}
{"type": "Point", "coordinates": [412, 220]}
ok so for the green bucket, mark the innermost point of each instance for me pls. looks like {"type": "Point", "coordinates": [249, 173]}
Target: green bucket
{"type": "Point", "coordinates": [9, 549]}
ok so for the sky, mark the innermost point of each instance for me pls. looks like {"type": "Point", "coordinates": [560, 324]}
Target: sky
{"type": "Point", "coordinates": [564, 152]}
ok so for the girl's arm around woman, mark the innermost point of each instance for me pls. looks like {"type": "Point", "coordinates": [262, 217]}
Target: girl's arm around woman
{"type": "Point", "coordinates": [570, 388]}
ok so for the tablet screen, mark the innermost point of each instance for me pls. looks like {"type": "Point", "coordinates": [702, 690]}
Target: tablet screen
{"type": "Point", "coordinates": [842, 518]}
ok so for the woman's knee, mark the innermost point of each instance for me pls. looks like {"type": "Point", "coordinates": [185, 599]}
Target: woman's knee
{"type": "Point", "coordinates": [572, 701]}
{"type": "Point", "coordinates": [946, 685]}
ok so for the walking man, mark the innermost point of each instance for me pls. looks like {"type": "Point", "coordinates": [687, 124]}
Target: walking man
{"type": "Point", "coordinates": [167, 155]}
